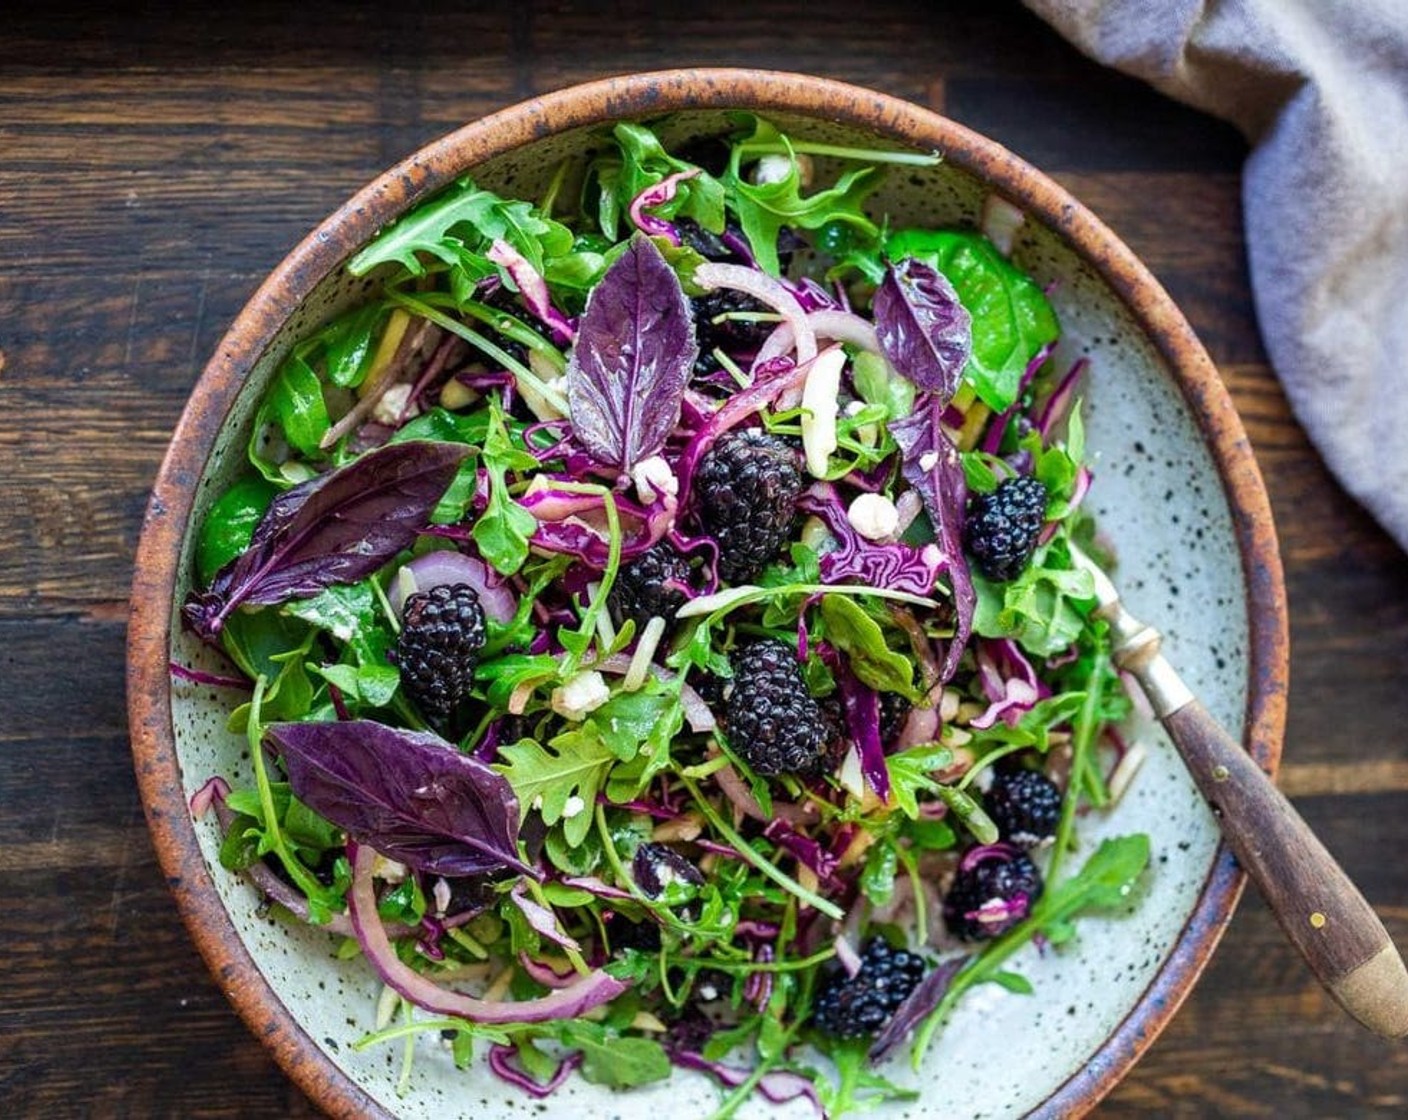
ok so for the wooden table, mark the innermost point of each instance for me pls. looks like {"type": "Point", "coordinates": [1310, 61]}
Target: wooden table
{"type": "Point", "coordinates": [153, 168]}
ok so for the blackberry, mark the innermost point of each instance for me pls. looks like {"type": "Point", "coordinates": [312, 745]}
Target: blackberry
{"type": "Point", "coordinates": [1003, 527]}
{"type": "Point", "coordinates": [859, 1005]}
{"type": "Point", "coordinates": [995, 888]}
{"type": "Point", "coordinates": [652, 585]}
{"type": "Point", "coordinates": [689, 1030]}
{"type": "Point", "coordinates": [626, 934]}
{"type": "Point", "coordinates": [894, 711]}
{"type": "Point", "coordinates": [708, 245]}
{"type": "Point", "coordinates": [658, 867]}
{"type": "Point", "coordinates": [774, 724]}
{"type": "Point", "coordinates": [735, 337]}
{"type": "Point", "coordinates": [441, 635]}
{"type": "Point", "coordinates": [1025, 805]}
{"type": "Point", "coordinates": [747, 488]}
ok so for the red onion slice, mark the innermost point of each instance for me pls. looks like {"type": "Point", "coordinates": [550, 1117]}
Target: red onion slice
{"type": "Point", "coordinates": [839, 326]}
{"type": "Point", "coordinates": [576, 998]}
{"type": "Point", "coordinates": [542, 974]}
{"type": "Point", "coordinates": [733, 787]}
{"type": "Point", "coordinates": [446, 566]}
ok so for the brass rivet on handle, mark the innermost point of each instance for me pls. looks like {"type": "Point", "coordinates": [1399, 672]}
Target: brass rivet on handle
{"type": "Point", "coordinates": [1317, 920]}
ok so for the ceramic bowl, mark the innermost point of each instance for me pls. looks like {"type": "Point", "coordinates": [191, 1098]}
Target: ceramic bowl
{"type": "Point", "coordinates": [1177, 492]}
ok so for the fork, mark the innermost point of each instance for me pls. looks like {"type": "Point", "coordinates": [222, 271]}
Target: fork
{"type": "Point", "coordinates": [1320, 909]}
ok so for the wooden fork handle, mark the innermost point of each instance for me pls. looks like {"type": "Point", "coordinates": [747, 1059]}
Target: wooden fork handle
{"type": "Point", "coordinates": [1321, 910]}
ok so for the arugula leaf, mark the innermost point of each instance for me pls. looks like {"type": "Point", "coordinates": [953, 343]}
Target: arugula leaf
{"type": "Point", "coordinates": [1012, 318]}
{"type": "Point", "coordinates": [372, 685]}
{"type": "Point", "coordinates": [967, 810]}
{"type": "Point", "coordinates": [503, 531]}
{"type": "Point", "coordinates": [504, 675]}
{"type": "Point", "coordinates": [1014, 982]}
{"type": "Point", "coordinates": [630, 722]}
{"type": "Point", "coordinates": [1105, 882]}
{"type": "Point", "coordinates": [352, 615]}
{"type": "Point", "coordinates": [610, 1059]}
{"type": "Point", "coordinates": [1058, 466]}
{"type": "Point", "coordinates": [644, 162]}
{"type": "Point", "coordinates": [1044, 609]}
{"type": "Point", "coordinates": [910, 772]}
{"type": "Point", "coordinates": [454, 225]}
{"type": "Point", "coordinates": [877, 877]}
{"type": "Point", "coordinates": [857, 1088]}
{"type": "Point", "coordinates": [547, 776]}
{"type": "Point", "coordinates": [859, 636]}
{"type": "Point", "coordinates": [765, 209]}
{"type": "Point", "coordinates": [442, 426]}
{"type": "Point", "coordinates": [574, 859]}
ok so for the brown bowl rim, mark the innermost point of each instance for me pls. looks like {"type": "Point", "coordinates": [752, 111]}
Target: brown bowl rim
{"type": "Point", "coordinates": [604, 100]}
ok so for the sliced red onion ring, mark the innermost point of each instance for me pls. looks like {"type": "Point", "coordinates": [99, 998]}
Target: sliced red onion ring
{"type": "Point", "coordinates": [733, 787]}
{"type": "Point", "coordinates": [542, 974]}
{"type": "Point", "coordinates": [446, 566]}
{"type": "Point", "coordinates": [847, 955]}
{"type": "Point", "coordinates": [200, 676]}
{"type": "Point", "coordinates": [578, 997]}
{"type": "Point", "coordinates": [839, 326]}
{"type": "Point", "coordinates": [270, 885]}
{"type": "Point", "coordinates": [212, 791]}
{"type": "Point", "coordinates": [1059, 403]}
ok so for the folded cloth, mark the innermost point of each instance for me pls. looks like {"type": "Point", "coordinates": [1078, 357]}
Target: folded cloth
{"type": "Point", "coordinates": [1320, 88]}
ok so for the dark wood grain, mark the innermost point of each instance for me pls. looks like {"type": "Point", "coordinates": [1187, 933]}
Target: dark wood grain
{"type": "Point", "coordinates": [156, 162]}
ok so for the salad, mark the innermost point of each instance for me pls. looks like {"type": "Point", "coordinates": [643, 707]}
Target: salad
{"type": "Point", "coordinates": [656, 633]}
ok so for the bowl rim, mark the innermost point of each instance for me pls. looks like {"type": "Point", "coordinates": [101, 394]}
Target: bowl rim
{"type": "Point", "coordinates": [598, 102]}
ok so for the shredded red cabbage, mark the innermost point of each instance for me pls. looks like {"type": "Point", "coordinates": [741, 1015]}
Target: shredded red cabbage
{"type": "Point", "coordinates": [895, 567]}
{"type": "Point", "coordinates": [534, 290]}
{"type": "Point", "coordinates": [652, 225]}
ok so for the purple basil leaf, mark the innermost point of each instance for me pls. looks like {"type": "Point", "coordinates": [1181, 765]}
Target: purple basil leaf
{"type": "Point", "coordinates": [338, 528]}
{"type": "Point", "coordinates": [923, 329]}
{"type": "Point", "coordinates": [917, 1006]}
{"type": "Point", "coordinates": [408, 794]}
{"type": "Point", "coordinates": [930, 463]}
{"type": "Point", "coordinates": [635, 348]}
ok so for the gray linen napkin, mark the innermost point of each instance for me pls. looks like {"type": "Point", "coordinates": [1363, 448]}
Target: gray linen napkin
{"type": "Point", "coordinates": [1320, 87]}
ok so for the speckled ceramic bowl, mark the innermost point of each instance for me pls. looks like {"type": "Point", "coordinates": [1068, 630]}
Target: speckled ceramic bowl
{"type": "Point", "coordinates": [1177, 491]}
